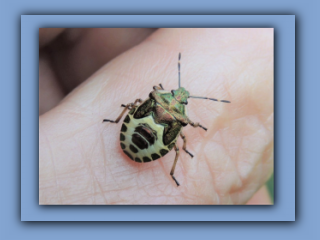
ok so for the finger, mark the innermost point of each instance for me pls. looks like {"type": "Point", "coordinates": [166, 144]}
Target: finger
{"type": "Point", "coordinates": [46, 35]}
{"type": "Point", "coordinates": [81, 52]}
{"type": "Point", "coordinates": [74, 54]}
{"type": "Point", "coordinates": [50, 90]}
{"type": "Point", "coordinates": [86, 154]}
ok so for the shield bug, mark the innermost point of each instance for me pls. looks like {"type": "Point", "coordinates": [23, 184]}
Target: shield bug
{"type": "Point", "coordinates": [152, 127]}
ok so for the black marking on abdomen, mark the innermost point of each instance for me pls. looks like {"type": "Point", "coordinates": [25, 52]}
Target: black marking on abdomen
{"type": "Point", "coordinates": [146, 133]}
{"type": "Point", "coordinates": [137, 160]}
{"type": "Point", "coordinates": [122, 137]}
{"type": "Point", "coordinates": [139, 141]}
{"type": "Point", "coordinates": [163, 152]}
{"type": "Point", "coordinates": [123, 146]}
{"type": "Point", "coordinates": [127, 119]}
{"type": "Point", "coordinates": [155, 156]}
{"type": "Point", "coordinates": [124, 128]}
{"type": "Point", "coordinates": [133, 148]}
{"type": "Point", "coordinates": [171, 145]}
{"type": "Point", "coordinates": [146, 159]}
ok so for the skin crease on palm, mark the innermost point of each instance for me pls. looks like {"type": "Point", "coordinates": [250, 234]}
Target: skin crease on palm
{"type": "Point", "coordinates": [81, 161]}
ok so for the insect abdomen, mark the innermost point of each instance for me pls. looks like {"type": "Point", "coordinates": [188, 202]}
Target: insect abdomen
{"type": "Point", "coordinates": [142, 139]}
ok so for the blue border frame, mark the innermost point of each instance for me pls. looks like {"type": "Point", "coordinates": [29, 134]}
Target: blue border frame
{"type": "Point", "coordinates": [284, 208]}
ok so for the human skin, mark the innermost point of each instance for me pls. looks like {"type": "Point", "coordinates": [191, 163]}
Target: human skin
{"type": "Point", "coordinates": [80, 158]}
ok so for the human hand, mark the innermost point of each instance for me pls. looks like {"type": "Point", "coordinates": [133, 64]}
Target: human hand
{"type": "Point", "coordinates": [81, 161]}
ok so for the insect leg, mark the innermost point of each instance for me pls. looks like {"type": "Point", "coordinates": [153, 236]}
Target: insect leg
{"type": "Point", "coordinates": [139, 100]}
{"type": "Point", "coordinates": [175, 163]}
{"type": "Point", "coordinates": [185, 144]}
{"type": "Point", "coordinates": [158, 88]}
{"type": "Point", "coordinates": [196, 125]}
{"type": "Point", "coordinates": [126, 107]}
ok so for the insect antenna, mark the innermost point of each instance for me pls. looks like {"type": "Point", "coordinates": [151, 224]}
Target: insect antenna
{"type": "Point", "coordinates": [213, 99]}
{"type": "Point", "coordinates": [179, 83]}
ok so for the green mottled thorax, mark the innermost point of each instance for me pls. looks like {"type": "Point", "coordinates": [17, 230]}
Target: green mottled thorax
{"type": "Point", "coordinates": [175, 102]}
{"type": "Point", "coordinates": [181, 95]}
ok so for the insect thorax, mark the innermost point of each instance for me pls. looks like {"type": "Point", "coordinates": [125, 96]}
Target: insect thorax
{"type": "Point", "coordinates": [161, 116]}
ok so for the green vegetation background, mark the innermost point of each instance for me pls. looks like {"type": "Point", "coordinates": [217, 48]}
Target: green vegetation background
{"type": "Point", "coordinates": [270, 186]}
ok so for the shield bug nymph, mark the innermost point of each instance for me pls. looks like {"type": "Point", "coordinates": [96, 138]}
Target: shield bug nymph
{"type": "Point", "coordinates": [151, 128]}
